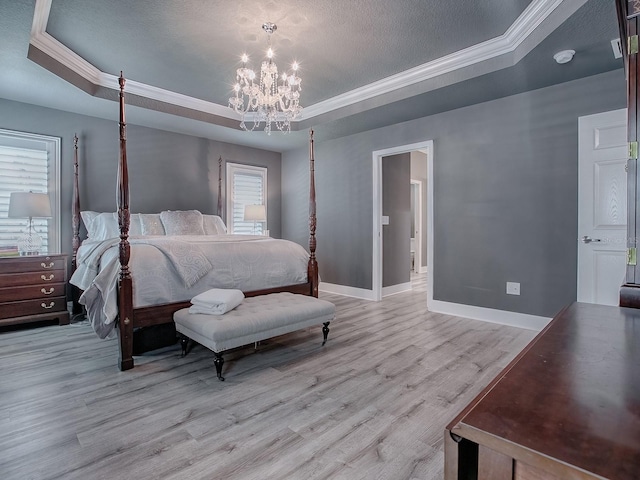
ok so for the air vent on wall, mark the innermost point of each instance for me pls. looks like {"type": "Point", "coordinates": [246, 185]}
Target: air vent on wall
{"type": "Point", "coordinates": [617, 48]}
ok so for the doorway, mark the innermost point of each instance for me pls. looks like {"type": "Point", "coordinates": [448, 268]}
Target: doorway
{"type": "Point", "coordinates": [416, 226]}
{"type": "Point", "coordinates": [602, 206]}
{"type": "Point", "coordinates": [427, 147]}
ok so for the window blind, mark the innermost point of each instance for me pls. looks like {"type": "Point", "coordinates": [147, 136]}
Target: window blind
{"type": "Point", "coordinates": [22, 170]}
{"type": "Point", "coordinates": [248, 189]}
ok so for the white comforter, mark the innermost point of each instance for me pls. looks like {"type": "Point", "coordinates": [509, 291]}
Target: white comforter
{"type": "Point", "coordinates": [173, 269]}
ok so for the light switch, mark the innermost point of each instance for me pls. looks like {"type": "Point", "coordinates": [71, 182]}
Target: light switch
{"type": "Point", "coordinates": [385, 220]}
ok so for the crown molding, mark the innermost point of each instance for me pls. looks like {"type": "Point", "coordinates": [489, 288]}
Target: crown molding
{"type": "Point", "coordinates": [531, 18]}
{"type": "Point", "coordinates": [174, 98]}
{"type": "Point", "coordinates": [59, 52]}
{"type": "Point", "coordinates": [67, 57]}
{"type": "Point", "coordinates": [524, 25]}
{"type": "Point", "coordinates": [517, 33]}
{"type": "Point", "coordinates": [40, 17]}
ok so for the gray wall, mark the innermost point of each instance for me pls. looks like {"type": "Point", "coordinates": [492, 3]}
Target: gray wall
{"type": "Point", "coordinates": [419, 171]}
{"type": "Point", "coordinates": [505, 196]}
{"type": "Point", "coordinates": [396, 204]}
{"type": "Point", "coordinates": [166, 170]}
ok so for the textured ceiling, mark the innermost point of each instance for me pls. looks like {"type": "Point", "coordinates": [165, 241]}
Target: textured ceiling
{"type": "Point", "coordinates": [192, 47]}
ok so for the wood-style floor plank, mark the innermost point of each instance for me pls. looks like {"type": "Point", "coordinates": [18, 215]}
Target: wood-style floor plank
{"type": "Point", "coordinates": [371, 404]}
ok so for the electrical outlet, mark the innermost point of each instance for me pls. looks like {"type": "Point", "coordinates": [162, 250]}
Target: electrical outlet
{"type": "Point", "coordinates": [513, 288]}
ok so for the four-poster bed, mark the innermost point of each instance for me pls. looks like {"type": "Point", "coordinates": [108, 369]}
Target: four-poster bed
{"type": "Point", "coordinates": [130, 316]}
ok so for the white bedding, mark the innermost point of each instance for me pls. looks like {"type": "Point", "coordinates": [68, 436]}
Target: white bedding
{"type": "Point", "coordinates": [169, 269]}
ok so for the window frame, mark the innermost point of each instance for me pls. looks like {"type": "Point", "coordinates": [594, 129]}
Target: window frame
{"type": "Point", "coordinates": [231, 170]}
{"type": "Point", "coordinates": [50, 145]}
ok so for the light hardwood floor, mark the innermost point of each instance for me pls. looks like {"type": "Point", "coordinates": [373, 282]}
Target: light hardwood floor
{"type": "Point", "coordinates": [371, 404]}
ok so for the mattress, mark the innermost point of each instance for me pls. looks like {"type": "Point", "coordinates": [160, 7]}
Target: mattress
{"type": "Point", "coordinates": [167, 269]}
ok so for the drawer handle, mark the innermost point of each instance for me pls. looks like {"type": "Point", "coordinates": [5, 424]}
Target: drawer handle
{"type": "Point", "coordinates": [45, 291]}
{"type": "Point", "coordinates": [51, 305]}
{"type": "Point", "coordinates": [44, 265]}
{"type": "Point", "coordinates": [51, 276]}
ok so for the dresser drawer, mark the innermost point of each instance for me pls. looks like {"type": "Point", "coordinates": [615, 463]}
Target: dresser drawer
{"type": "Point", "coordinates": [32, 278]}
{"type": "Point", "coordinates": [13, 294]}
{"type": "Point", "coordinates": [33, 307]}
{"type": "Point", "coordinates": [33, 264]}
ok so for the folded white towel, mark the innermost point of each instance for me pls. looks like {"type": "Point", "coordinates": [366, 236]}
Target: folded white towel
{"type": "Point", "coordinates": [216, 301]}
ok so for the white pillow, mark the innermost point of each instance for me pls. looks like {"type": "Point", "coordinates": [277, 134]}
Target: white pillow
{"type": "Point", "coordinates": [135, 225]}
{"type": "Point", "coordinates": [213, 225]}
{"type": "Point", "coordinates": [182, 222]}
{"type": "Point", "coordinates": [101, 226]}
{"type": "Point", "coordinates": [87, 218]}
{"type": "Point", "coordinates": [151, 224]}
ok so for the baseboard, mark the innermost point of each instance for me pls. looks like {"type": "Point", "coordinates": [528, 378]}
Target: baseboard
{"type": "Point", "coordinates": [346, 291]}
{"type": "Point", "coordinates": [503, 317]}
{"type": "Point", "coordinates": [393, 289]}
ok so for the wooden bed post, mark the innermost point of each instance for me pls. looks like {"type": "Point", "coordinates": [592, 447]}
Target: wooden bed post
{"type": "Point", "coordinates": [125, 290]}
{"type": "Point", "coordinates": [75, 208]}
{"type": "Point", "coordinates": [312, 268]}
{"type": "Point", "coordinates": [75, 225]}
{"type": "Point", "coordinates": [219, 212]}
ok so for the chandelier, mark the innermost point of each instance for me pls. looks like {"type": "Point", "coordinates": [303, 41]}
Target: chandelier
{"type": "Point", "coordinates": [271, 99]}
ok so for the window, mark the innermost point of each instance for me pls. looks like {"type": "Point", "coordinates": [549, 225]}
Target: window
{"type": "Point", "coordinates": [30, 163]}
{"type": "Point", "coordinates": [245, 186]}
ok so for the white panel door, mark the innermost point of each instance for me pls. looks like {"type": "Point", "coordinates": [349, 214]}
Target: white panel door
{"type": "Point", "coordinates": [602, 206]}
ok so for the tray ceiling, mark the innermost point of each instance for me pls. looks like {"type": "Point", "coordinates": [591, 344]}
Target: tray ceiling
{"type": "Point", "coordinates": [356, 57]}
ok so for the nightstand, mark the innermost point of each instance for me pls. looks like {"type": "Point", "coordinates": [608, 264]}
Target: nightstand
{"type": "Point", "coordinates": [33, 288]}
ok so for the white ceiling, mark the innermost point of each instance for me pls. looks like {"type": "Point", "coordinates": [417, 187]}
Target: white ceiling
{"type": "Point", "coordinates": [365, 63]}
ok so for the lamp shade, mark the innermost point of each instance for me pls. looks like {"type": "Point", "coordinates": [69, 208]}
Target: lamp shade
{"type": "Point", "coordinates": [255, 213]}
{"type": "Point", "coordinates": [29, 204]}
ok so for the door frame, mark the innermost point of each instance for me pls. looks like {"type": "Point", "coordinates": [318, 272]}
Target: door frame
{"type": "Point", "coordinates": [376, 270]}
{"type": "Point", "coordinates": [417, 218]}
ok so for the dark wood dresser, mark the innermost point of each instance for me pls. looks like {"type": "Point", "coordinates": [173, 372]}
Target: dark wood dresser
{"type": "Point", "coordinates": [32, 289]}
{"type": "Point", "coordinates": [567, 407]}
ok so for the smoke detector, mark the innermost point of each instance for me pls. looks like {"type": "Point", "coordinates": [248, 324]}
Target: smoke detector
{"type": "Point", "coordinates": [565, 56]}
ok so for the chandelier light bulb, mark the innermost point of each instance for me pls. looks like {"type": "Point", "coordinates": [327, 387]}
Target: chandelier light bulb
{"type": "Point", "coordinates": [265, 96]}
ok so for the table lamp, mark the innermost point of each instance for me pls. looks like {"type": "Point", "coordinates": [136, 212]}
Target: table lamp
{"type": "Point", "coordinates": [29, 204]}
{"type": "Point", "coordinates": [255, 213]}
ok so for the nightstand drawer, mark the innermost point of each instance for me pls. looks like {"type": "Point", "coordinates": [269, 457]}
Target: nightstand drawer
{"type": "Point", "coordinates": [32, 278]}
{"type": "Point", "coordinates": [33, 307]}
{"type": "Point", "coordinates": [33, 264]}
{"type": "Point", "coordinates": [13, 294]}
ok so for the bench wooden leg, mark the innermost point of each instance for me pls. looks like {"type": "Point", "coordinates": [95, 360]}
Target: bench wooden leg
{"type": "Point", "coordinates": [218, 362]}
{"type": "Point", "coordinates": [184, 343]}
{"type": "Point", "coordinates": [325, 332]}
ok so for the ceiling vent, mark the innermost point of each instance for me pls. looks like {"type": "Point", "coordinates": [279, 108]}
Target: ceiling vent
{"type": "Point", "coordinates": [617, 48]}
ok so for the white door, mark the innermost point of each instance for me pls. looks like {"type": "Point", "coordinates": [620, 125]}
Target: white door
{"type": "Point", "coordinates": [602, 206]}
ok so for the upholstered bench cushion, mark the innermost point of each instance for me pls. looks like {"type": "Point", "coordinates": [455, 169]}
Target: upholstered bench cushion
{"type": "Point", "coordinates": [255, 319]}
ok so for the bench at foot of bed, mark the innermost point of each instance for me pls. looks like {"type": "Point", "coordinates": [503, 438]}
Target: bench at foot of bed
{"type": "Point", "coordinates": [255, 319]}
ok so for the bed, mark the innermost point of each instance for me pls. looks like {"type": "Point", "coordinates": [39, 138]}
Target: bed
{"type": "Point", "coordinates": [125, 276]}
